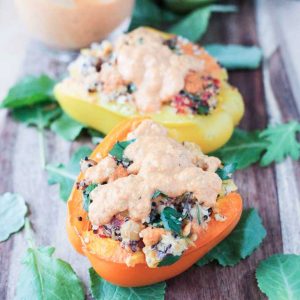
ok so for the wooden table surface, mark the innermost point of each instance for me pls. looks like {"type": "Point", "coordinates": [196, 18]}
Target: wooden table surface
{"type": "Point", "coordinates": [273, 191]}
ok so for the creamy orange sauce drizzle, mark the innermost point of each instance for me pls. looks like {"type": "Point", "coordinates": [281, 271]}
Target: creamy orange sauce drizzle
{"type": "Point", "coordinates": [155, 69]}
{"type": "Point", "coordinates": [101, 171]}
{"type": "Point", "coordinates": [141, 70]}
{"type": "Point", "coordinates": [159, 163]}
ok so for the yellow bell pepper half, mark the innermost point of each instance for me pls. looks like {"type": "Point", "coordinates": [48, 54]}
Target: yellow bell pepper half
{"type": "Point", "coordinates": [210, 131]}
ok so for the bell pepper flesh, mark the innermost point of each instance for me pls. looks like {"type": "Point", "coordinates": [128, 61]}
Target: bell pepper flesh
{"type": "Point", "coordinates": [104, 253]}
{"type": "Point", "coordinates": [210, 131]}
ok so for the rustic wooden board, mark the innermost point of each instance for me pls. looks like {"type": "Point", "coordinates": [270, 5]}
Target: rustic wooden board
{"type": "Point", "coordinates": [20, 171]}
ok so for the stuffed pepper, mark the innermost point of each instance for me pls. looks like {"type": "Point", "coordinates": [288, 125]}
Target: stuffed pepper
{"type": "Point", "coordinates": [146, 207]}
{"type": "Point", "coordinates": [150, 73]}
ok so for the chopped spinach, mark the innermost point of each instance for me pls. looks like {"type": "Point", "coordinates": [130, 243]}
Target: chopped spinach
{"type": "Point", "coordinates": [227, 171]}
{"type": "Point", "coordinates": [172, 219]}
{"type": "Point", "coordinates": [131, 88]}
{"type": "Point", "coordinates": [86, 196]}
{"type": "Point", "coordinates": [169, 260]}
{"type": "Point", "coordinates": [203, 109]}
{"type": "Point", "coordinates": [199, 219]}
{"type": "Point", "coordinates": [199, 106]}
{"type": "Point", "coordinates": [158, 193]}
{"type": "Point", "coordinates": [118, 149]}
{"type": "Point", "coordinates": [191, 96]}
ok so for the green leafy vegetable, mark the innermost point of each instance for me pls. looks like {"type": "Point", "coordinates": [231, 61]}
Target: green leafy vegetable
{"type": "Point", "coordinates": [236, 56]}
{"type": "Point", "coordinates": [183, 6]}
{"type": "Point", "coordinates": [244, 148]}
{"type": "Point", "coordinates": [148, 13]}
{"type": "Point", "coordinates": [67, 127]}
{"type": "Point", "coordinates": [158, 193]}
{"type": "Point", "coordinates": [145, 13]}
{"type": "Point", "coordinates": [45, 277]}
{"type": "Point", "coordinates": [39, 115]}
{"type": "Point", "coordinates": [169, 260]}
{"type": "Point", "coordinates": [131, 88]}
{"type": "Point", "coordinates": [65, 175]}
{"type": "Point", "coordinates": [103, 290]}
{"type": "Point", "coordinates": [199, 217]}
{"type": "Point", "coordinates": [194, 25]}
{"type": "Point", "coordinates": [227, 170]}
{"type": "Point", "coordinates": [171, 219]}
{"type": "Point", "coordinates": [86, 196]}
{"type": "Point", "coordinates": [97, 136]}
{"type": "Point", "coordinates": [279, 277]}
{"type": "Point", "coordinates": [243, 240]}
{"type": "Point", "coordinates": [12, 214]}
{"type": "Point", "coordinates": [203, 109]}
{"type": "Point", "coordinates": [118, 149]}
{"type": "Point", "coordinates": [282, 140]}
{"type": "Point", "coordinates": [267, 146]}
{"type": "Point", "coordinates": [30, 90]}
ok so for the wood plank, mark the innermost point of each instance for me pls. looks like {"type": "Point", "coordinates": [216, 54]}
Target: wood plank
{"type": "Point", "coordinates": [13, 40]}
{"type": "Point", "coordinates": [257, 185]}
{"type": "Point", "coordinates": [20, 159]}
{"type": "Point", "coordinates": [287, 28]}
{"type": "Point", "coordinates": [281, 106]}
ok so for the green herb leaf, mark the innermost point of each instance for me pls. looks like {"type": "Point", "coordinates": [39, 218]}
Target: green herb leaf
{"type": "Point", "coordinates": [244, 148]}
{"type": "Point", "coordinates": [30, 90]}
{"type": "Point", "coordinates": [199, 214]}
{"type": "Point", "coordinates": [118, 149]}
{"type": "Point", "coordinates": [45, 277]}
{"type": "Point", "coordinates": [103, 290]}
{"type": "Point", "coordinates": [66, 127]}
{"type": "Point", "coordinates": [193, 25]}
{"type": "Point", "coordinates": [171, 219]}
{"type": "Point", "coordinates": [86, 196]}
{"type": "Point", "coordinates": [131, 88]}
{"type": "Point", "coordinates": [12, 214]}
{"type": "Point", "coordinates": [243, 240]}
{"type": "Point", "coordinates": [183, 6]}
{"type": "Point", "coordinates": [145, 13]}
{"type": "Point", "coordinates": [39, 115]}
{"type": "Point", "coordinates": [227, 170]}
{"type": "Point", "coordinates": [279, 277]}
{"type": "Point", "coordinates": [158, 193]}
{"type": "Point", "coordinates": [97, 136]}
{"type": "Point", "coordinates": [148, 13]}
{"type": "Point", "coordinates": [236, 56]}
{"type": "Point", "coordinates": [169, 260]}
{"type": "Point", "coordinates": [282, 140]}
{"type": "Point", "coordinates": [65, 175]}
{"type": "Point", "coordinates": [203, 110]}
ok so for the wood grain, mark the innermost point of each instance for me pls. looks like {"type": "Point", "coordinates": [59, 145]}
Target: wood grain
{"type": "Point", "coordinates": [257, 185]}
{"type": "Point", "coordinates": [281, 106]}
{"type": "Point", "coordinates": [21, 172]}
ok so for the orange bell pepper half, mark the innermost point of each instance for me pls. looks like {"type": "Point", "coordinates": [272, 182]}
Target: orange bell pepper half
{"type": "Point", "coordinates": [106, 255]}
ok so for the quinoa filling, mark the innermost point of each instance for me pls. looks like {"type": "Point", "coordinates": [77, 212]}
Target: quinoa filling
{"type": "Point", "coordinates": [164, 220]}
{"type": "Point", "coordinates": [184, 78]}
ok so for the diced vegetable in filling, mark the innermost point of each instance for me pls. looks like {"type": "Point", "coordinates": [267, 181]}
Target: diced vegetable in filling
{"type": "Point", "coordinates": [183, 76]}
{"type": "Point", "coordinates": [153, 194]}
